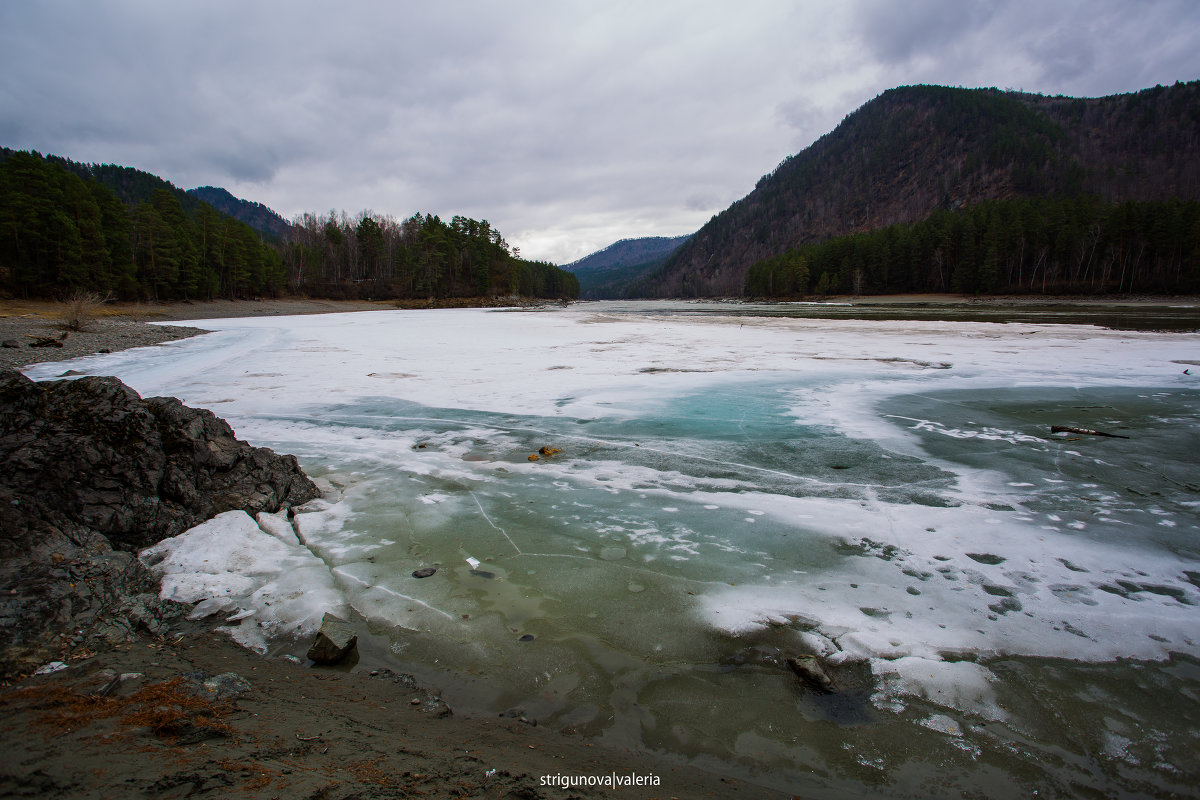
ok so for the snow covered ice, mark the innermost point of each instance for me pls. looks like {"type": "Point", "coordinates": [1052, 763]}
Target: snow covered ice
{"type": "Point", "coordinates": [731, 489]}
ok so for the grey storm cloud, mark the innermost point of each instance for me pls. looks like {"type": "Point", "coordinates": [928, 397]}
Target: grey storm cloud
{"type": "Point", "coordinates": [1082, 47]}
{"type": "Point", "coordinates": [896, 32]}
{"type": "Point", "coordinates": [568, 125]}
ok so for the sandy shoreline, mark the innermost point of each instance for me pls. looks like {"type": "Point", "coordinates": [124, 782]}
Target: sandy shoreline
{"type": "Point", "coordinates": [297, 732]}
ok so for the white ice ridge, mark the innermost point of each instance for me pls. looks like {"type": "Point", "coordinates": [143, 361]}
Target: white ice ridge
{"type": "Point", "coordinates": [276, 588]}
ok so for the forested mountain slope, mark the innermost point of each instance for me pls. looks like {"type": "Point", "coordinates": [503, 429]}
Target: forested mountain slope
{"type": "Point", "coordinates": [916, 150]}
{"type": "Point", "coordinates": [117, 231]}
{"type": "Point", "coordinates": [628, 252]}
{"type": "Point", "coordinates": [256, 215]}
{"type": "Point", "coordinates": [603, 274]}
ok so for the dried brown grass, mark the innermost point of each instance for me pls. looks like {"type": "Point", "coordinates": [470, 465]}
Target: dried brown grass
{"type": "Point", "coordinates": [166, 708]}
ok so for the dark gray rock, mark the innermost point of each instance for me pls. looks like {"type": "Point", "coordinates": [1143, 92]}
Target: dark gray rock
{"type": "Point", "coordinates": [336, 640]}
{"type": "Point", "coordinates": [424, 572]}
{"type": "Point", "coordinates": [519, 715]}
{"type": "Point", "coordinates": [434, 706]}
{"type": "Point", "coordinates": [90, 473]}
{"type": "Point", "coordinates": [218, 688]}
{"type": "Point", "coordinates": [137, 471]}
{"type": "Point", "coordinates": [146, 613]}
{"type": "Point", "coordinates": [58, 578]}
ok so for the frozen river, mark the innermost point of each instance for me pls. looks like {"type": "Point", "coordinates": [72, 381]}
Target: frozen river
{"type": "Point", "coordinates": [1002, 610]}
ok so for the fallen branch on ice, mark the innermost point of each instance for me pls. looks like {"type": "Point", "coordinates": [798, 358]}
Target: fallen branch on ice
{"type": "Point", "coordinates": [1085, 432]}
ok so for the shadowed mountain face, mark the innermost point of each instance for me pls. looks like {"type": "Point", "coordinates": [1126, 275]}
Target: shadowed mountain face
{"type": "Point", "coordinates": [915, 150]}
{"type": "Point", "coordinates": [628, 252]}
{"type": "Point", "coordinates": [256, 215]}
{"type": "Point", "coordinates": [605, 273]}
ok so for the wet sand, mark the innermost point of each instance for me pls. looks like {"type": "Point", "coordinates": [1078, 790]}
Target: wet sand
{"type": "Point", "coordinates": [298, 732]}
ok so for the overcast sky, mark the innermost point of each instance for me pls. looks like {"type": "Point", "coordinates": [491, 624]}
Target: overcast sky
{"type": "Point", "coordinates": [567, 125]}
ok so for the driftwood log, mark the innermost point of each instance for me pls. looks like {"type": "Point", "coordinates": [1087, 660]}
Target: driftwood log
{"type": "Point", "coordinates": [46, 341]}
{"type": "Point", "coordinates": [1084, 432]}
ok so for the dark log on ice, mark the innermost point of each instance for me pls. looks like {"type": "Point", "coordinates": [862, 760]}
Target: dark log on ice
{"type": "Point", "coordinates": [1084, 431]}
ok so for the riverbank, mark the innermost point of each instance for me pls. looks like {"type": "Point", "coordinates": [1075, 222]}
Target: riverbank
{"type": "Point", "coordinates": [181, 710]}
{"type": "Point", "coordinates": [409, 749]}
{"type": "Point", "coordinates": [280, 729]}
{"type": "Point", "coordinates": [113, 327]}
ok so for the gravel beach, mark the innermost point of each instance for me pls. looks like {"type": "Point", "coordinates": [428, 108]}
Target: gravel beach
{"type": "Point", "coordinates": [117, 327]}
{"type": "Point", "coordinates": [108, 334]}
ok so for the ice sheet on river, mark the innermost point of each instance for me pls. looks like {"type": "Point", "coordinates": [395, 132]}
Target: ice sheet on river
{"type": "Point", "coordinates": [879, 491]}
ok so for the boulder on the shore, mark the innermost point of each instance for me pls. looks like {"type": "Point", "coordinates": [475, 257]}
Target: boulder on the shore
{"type": "Point", "coordinates": [220, 688]}
{"type": "Point", "coordinates": [90, 473]}
{"type": "Point", "coordinates": [336, 640]}
{"type": "Point", "coordinates": [137, 471]}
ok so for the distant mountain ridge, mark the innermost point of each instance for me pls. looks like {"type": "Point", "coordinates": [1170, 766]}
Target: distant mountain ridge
{"type": "Point", "coordinates": [628, 252]}
{"type": "Point", "coordinates": [918, 149]}
{"type": "Point", "coordinates": [605, 273]}
{"type": "Point", "coordinates": [256, 215]}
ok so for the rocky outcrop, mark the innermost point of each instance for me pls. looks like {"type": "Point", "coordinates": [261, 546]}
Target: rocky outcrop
{"type": "Point", "coordinates": [136, 471]}
{"type": "Point", "coordinates": [89, 473]}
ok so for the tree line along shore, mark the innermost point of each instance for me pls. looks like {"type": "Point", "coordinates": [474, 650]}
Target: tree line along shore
{"type": "Point", "coordinates": [119, 232]}
{"type": "Point", "coordinates": [1035, 246]}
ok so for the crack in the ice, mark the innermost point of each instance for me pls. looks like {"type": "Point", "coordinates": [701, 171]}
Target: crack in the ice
{"type": "Point", "coordinates": [494, 525]}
